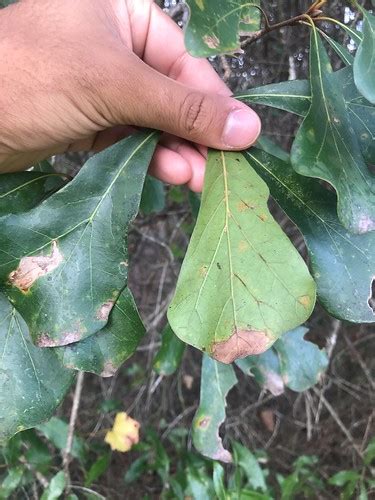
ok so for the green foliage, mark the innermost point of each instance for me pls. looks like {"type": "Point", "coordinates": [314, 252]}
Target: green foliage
{"type": "Point", "coordinates": [67, 262]}
{"type": "Point", "coordinates": [32, 380]}
{"type": "Point", "coordinates": [342, 263]}
{"type": "Point", "coordinates": [20, 192]}
{"type": "Point", "coordinates": [239, 255]}
{"type": "Point", "coordinates": [153, 196]}
{"type": "Point", "coordinates": [65, 304]}
{"type": "Point", "coordinates": [293, 361]}
{"type": "Point", "coordinates": [104, 352]}
{"type": "Point", "coordinates": [214, 25]}
{"type": "Point", "coordinates": [364, 64]}
{"type": "Point", "coordinates": [326, 148]}
{"type": "Point", "coordinates": [169, 356]}
{"type": "Point", "coordinates": [217, 380]}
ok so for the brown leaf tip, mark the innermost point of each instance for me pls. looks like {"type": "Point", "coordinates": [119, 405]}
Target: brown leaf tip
{"type": "Point", "coordinates": [30, 269]}
{"type": "Point", "coordinates": [105, 309]}
{"type": "Point", "coordinates": [109, 369]}
{"type": "Point", "coordinates": [241, 344]}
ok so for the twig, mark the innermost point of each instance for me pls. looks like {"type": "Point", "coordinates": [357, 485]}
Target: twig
{"type": "Point", "coordinates": [226, 67]}
{"type": "Point", "coordinates": [313, 13]}
{"type": "Point", "coordinates": [338, 422]}
{"type": "Point", "coordinates": [39, 476]}
{"type": "Point", "coordinates": [72, 423]}
{"type": "Point", "coordinates": [332, 339]}
{"type": "Point", "coordinates": [361, 362]}
{"type": "Point", "coordinates": [256, 35]}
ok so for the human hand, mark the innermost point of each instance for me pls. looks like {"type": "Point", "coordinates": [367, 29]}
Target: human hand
{"type": "Point", "coordinates": [75, 75]}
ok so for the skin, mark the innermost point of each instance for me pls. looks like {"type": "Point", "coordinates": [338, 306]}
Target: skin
{"type": "Point", "coordinates": [80, 75]}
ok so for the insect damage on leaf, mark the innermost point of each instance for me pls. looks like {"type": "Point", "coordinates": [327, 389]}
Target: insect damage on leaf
{"type": "Point", "coordinates": [66, 339]}
{"type": "Point", "coordinates": [241, 344]}
{"type": "Point", "coordinates": [105, 309]}
{"type": "Point", "coordinates": [32, 268]}
{"type": "Point", "coordinates": [211, 41]}
{"type": "Point", "coordinates": [109, 370]}
{"type": "Point", "coordinates": [203, 422]}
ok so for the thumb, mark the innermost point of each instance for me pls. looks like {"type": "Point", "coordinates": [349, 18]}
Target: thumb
{"type": "Point", "coordinates": [150, 99]}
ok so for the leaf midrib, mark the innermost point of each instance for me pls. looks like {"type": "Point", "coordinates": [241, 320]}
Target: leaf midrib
{"type": "Point", "coordinates": [91, 218]}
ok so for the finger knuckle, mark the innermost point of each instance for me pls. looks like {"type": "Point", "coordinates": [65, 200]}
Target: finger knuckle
{"type": "Point", "coordinates": [195, 113]}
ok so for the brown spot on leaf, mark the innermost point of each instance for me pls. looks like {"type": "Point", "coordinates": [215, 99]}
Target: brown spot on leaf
{"type": "Point", "coordinates": [304, 300]}
{"type": "Point", "coordinates": [66, 338]}
{"type": "Point", "coordinates": [203, 422]}
{"type": "Point", "coordinates": [242, 246]}
{"type": "Point", "coordinates": [366, 224]}
{"type": "Point", "coordinates": [242, 343]}
{"type": "Point", "coordinates": [242, 206]}
{"type": "Point", "coordinates": [263, 217]}
{"type": "Point", "coordinates": [212, 42]}
{"type": "Point", "coordinates": [203, 271]}
{"type": "Point", "coordinates": [105, 309]}
{"type": "Point", "coordinates": [247, 19]}
{"type": "Point", "coordinates": [30, 269]}
{"type": "Point", "coordinates": [109, 370]}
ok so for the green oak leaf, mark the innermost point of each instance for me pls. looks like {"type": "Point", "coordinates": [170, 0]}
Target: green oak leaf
{"type": "Point", "coordinates": [153, 196]}
{"type": "Point", "coordinates": [265, 368]}
{"type": "Point", "coordinates": [326, 148]}
{"type": "Point", "coordinates": [364, 63]}
{"type": "Point", "coordinates": [168, 358]}
{"type": "Point", "coordinates": [56, 431]}
{"type": "Point", "coordinates": [22, 191]}
{"type": "Point", "coordinates": [292, 362]}
{"type": "Point", "coordinates": [104, 352]}
{"type": "Point", "coordinates": [55, 488]}
{"type": "Point", "coordinates": [342, 263]}
{"type": "Point", "coordinates": [32, 380]}
{"type": "Point", "coordinates": [5, 3]}
{"type": "Point", "coordinates": [302, 363]}
{"type": "Point", "coordinates": [295, 97]}
{"type": "Point", "coordinates": [215, 25]}
{"type": "Point", "coordinates": [256, 477]}
{"type": "Point", "coordinates": [64, 263]}
{"type": "Point", "coordinates": [341, 51]}
{"type": "Point", "coordinates": [217, 380]}
{"type": "Point", "coordinates": [242, 283]}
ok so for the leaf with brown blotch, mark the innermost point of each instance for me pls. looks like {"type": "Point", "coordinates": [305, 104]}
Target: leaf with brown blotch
{"type": "Point", "coordinates": [242, 284]}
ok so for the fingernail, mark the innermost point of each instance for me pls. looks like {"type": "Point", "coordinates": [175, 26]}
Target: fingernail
{"type": "Point", "coordinates": [242, 128]}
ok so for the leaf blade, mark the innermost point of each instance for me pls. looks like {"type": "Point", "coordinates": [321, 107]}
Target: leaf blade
{"type": "Point", "coordinates": [213, 26]}
{"type": "Point", "coordinates": [364, 62]}
{"type": "Point", "coordinates": [32, 380]}
{"type": "Point", "coordinates": [104, 352]}
{"type": "Point", "coordinates": [239, 255]}
{"type": "Point", "coordinates": [326, 148]}
{"type": "Point", "coordinates": [64, 263]}
{"type": "Point", "coordinates": [217, 380]}
{"type": "Point", "coordinates": [342, 263]}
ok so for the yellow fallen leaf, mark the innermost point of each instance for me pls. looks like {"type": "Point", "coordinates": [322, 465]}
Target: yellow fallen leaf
{"type": "Point", "coordinates": [124, 433]}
